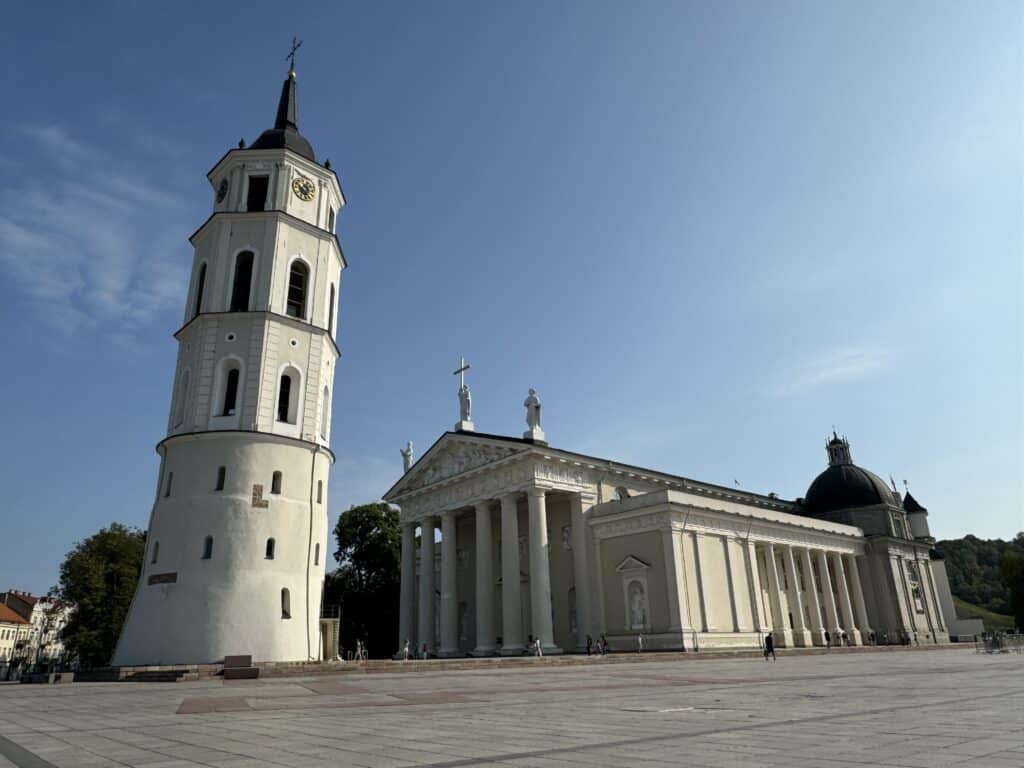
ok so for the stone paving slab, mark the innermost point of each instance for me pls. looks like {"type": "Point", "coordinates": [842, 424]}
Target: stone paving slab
{"type": "Point", "coordinates": [841, 710]}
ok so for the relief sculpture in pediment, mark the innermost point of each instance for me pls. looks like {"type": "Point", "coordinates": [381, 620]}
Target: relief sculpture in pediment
{"type": "Point", "coordinates": [456, 460]}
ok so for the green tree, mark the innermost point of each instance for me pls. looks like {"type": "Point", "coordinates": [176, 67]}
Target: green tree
{"type": "Point", "coordinates": [1011, 569]}
{"type": "Point", "coordinates": [98, 577]}
{"type": "Point", "coordinates": [366, 584]}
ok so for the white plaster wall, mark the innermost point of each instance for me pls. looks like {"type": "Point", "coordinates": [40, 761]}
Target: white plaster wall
{"type": "Point", "coordinates": [231, 603]}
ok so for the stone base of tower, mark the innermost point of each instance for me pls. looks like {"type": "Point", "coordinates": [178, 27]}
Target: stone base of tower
{"type": "Point", "coordinates": [236, 571]}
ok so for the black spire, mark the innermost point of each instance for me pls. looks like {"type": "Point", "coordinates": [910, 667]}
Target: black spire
{"type": "Point", "coordinates": [285, 133]}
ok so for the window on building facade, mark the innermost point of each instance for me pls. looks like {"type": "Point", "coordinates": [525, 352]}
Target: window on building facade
{"type": "Point", "coordinates": [200, 286]}
{"type": "Point", "coordinates": [207, 547]}
{"type": "Point", "coordinates": [270, 549]}
{"type": "Point", "coordinates": [275, 482]}
{"type": "Point", "coordinates": [179, 410]}
{"type": "Point", "coordinates": [222, 474]}
{"type": "Point", "coordinates": [286, 604]}
{"type": "Point", "coordinates": [330, 219]}
{"type": "Point", "coordinates": [167, 488]}
{"type": "Point", "coordinates": [231, 393]}
{"type": "Point", "coordinates": [326, 419]}
{"type": "Point", "coordinates": [319, 491]}
{"type": "Point", "coordinates": [330, 312]}
{"type": "Point", "coordinates": [242, 283]}
{"type": "Point", "coordinates": [257, 197]}
{"type": "Point", "coordinates": [298, 277]}
{"type": "Point", "coordinates": [284, 400]}
{"type": "Point", "coordinates": [156, 551]}
{"type": "Point", "coordinates": [316, 554]}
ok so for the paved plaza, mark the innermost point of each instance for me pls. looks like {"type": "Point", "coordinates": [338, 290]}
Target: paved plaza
{"type": "Point", "coordinates": [876, 707]}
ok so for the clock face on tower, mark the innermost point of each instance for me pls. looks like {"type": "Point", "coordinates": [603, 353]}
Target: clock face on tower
{"type": "Point", "coordinates": [222, 190]}
{"type": "Point", "coordinates": [303, 188]}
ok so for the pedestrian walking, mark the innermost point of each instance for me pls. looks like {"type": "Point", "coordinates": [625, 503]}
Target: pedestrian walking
{"type": "Point", "coordinates": [828, 639]}
{"type": "Point", "coordinates": [590, 644]}
{"type": "Point", "coordinates": [538, 651]}
{"type": "Point", "coordinates": [405, 650]}
{"type": "Point", "coordinates": [604, 644]}
{"type": "Point", "coordinates": [639, 643]}
{"type": "Point", "coordinates": [424, 654]}
{"type": "Point", "coordinates": [769, 647]}
{"type": "Point", "coordinates": [844, 638]}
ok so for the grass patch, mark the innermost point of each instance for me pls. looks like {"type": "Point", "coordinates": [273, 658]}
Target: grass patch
{"type": "Point", "coordinates": [993, 621]}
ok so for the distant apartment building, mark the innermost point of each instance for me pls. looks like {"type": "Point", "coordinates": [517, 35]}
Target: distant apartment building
{"type": "Point", "coordinates": [15, 633]}
{"type": "Point", "coordinates": [44, 619]}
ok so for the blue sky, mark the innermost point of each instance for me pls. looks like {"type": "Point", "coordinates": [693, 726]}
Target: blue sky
{"type": "Point", "coordinates": [706, 233]}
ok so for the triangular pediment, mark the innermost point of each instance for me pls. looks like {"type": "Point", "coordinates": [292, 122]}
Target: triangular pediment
{"type": "Point", "coordinates": [451, 456]}
{"type": "Point", "coordinates": [631, 564]}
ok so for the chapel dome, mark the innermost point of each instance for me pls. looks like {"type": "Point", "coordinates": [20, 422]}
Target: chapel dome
{"type": "Point", "coordinates": [844, 485]}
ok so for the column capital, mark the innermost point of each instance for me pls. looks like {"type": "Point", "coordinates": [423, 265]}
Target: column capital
{"type": "Point", "coordinates": [449, 514]}
{"type": "Point", "coordinates": [484, 504]}
{"type": "Point", "coordinates": [536, 491]}
{"type": "Point", "coordinates": [512, 497]}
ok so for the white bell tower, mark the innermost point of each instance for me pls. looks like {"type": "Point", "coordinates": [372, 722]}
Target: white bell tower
{"type": "Point", "coordinates": [238, 533]}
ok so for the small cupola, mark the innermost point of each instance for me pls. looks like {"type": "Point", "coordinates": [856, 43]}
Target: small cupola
{"type": "Point", "coordinates": [838, 449]}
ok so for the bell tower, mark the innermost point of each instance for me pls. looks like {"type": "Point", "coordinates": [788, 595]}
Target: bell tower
{"type": "Point", "coordinates": [237, 537]}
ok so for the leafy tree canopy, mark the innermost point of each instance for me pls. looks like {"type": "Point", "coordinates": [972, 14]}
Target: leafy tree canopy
{"type": "Point", "coordinates": [367, 582]}
{"type": "Point", "coordinates": [98, 577]}
{"type": "Point", "coordinates": [973, 567]}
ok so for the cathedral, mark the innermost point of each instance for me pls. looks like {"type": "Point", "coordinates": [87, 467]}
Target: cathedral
{"type": "Point", "coordinates": [543, 544]}
{"type": "Point", "coordinates": [237, 538]}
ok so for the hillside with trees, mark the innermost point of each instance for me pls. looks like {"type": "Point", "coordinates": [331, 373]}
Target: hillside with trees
{"type": "Point", "coordinates": [986, 573]}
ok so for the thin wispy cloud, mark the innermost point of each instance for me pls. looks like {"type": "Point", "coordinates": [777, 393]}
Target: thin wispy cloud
{"type": "Point", "coordinates": [89, 241]}
{"type": "Point", "coordinates": [833, 367]}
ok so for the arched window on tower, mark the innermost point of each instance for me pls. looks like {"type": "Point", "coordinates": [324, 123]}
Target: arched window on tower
{"type": "Point", "coordinates": [156, 551]}
{"type": "Point", "coordinates": [330, 312]}
{"type": "Point", "coordinates": [270, 549]}
{"type": "Point", "coordinates": [242, 283]}
{"type": "Point", "coordinates": [230, 393]}
{"type": "Point", "coordinates": [200, 286]}
{"type": "Point", "coordinates": [222, 473]}
{"type": "Point", "coordinates": [288, 391]}
{"type": "Point", "coordinates": [207, 547]}
{"type": "Point", "coordinates": [298, 278]}
{"type": "Point", "coordinates": [286, 604]}
{"type": "Point", "coordinates": [275, 482]}
{"type": "Point", "coordinates": [325, 421]}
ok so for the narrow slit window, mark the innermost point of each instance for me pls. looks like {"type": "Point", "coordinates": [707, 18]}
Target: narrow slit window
{"type": "Point", "coordinates": [316, 554]}
{"type": "Point", "coordinates": [200, 286]}
{"type": "Point", "coordinates": [207, 547]}
{"type": "Point", "coordinates": [242, 283]}
{"type": "Point", "coordinates": [275, 483]}
{"type": "Point", "coordinates": [257, 197]}
{"type": "Point", "coordinates": [222, 473]}
{"type": "Point", "coordinates": [286, 604]}
{"type": "Point", "coordinates": [319, 491]}
{"type": "Point", "coordinates": [231, 393]}
{"type": "Point", "coordinates": [270, 549]}
{"type": "Point", "coordinates": [330, 220]}
{"type": "Point", "coordinates": [156, 552]}
{"type": "Point", "coordinates": [330, 311]}
{"type": "Point", "coordinates": [326, 419]}
{"type": "Point", "coordinates": [167, 488]}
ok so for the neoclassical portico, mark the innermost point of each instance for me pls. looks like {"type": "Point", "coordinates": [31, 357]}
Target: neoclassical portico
{"type": "Point", "coordinates": [536, 542]}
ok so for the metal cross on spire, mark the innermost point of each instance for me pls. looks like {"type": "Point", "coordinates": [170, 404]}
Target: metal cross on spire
{"type": "Point", "coordinates": [296, 44]}
{"type": "Point", "coordinates": [461, 371]}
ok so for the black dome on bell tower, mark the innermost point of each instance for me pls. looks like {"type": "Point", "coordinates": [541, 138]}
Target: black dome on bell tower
{"type": "Point", "coordinates": [285, 133]}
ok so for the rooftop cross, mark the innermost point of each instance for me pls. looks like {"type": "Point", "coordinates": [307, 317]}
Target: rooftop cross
{"type": "Point", "coordinates": [296, 44]}
{"type": "Point", "coordinates": [461, 371]}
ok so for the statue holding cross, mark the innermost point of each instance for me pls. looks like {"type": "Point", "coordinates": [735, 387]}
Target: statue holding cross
{"type": "Point", "coordinates": [465, 423]}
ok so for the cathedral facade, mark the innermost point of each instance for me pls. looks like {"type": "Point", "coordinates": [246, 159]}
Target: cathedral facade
{"type": "Point", "coordinates": [542, 543]}
{"type": "Point", "coordinates": [237, 538]}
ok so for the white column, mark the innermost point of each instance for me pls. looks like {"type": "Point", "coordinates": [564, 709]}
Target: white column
{"type": "Point", "coordinates": [796, 603]}
{"type": "Point", "coordinates": [511, 600]}
{"type": "Point", "coordinates": [449, 600]}
{"type": "Point", "coordinates": [540, 571]}
{"type": "Point", "coordinates": [845, 607]}
{"type": "Point", "coordinates": [826, 594]}
{"type": "Point", "coordinates": [754, 582]}
{"type": "Point", "coordinates": [817, 627]}
{"type": "Point", "coordinates": [904, 610]}
{"type": "Point", "coordinates": [859, 609]}
{"type": "Point", "coordinates": [426, 614]}
{"type": "Point", "coordinates": [783, 635]}
{"type": "Point", "coordinates": [407, 606]}
{"type": "Point", "coordinates": [940, 619]}
{"type": "Point", "coordinates": [678, 607]}
{"type": "Point", "coordinates": [484, 581]}
{"type": "Point", "coordinates": [734, 582]}
{"type": "Point", "coordinates": [702, 592]}
{"type": "Point", "coordinates": [581, 582]}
